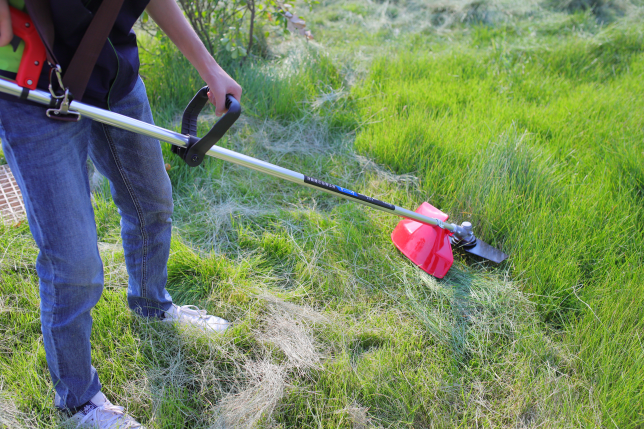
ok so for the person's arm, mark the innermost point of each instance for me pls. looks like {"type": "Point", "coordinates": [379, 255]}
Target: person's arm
{"type": "Point", "coordinates": [168, 16]}
{"type": "Point", "coordinates": [6, 33]}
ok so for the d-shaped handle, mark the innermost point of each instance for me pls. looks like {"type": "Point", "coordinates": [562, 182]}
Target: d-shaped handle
{"type": "Point", "coordinates": [194, 153]}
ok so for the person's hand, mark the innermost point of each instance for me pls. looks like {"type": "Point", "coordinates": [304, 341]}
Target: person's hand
{"type": "Point", "coordinates": [168, 16]}
{"type": "Point", "coordinates": [221, 84]}
{"type": "Point", "coordinates": [6, 33]}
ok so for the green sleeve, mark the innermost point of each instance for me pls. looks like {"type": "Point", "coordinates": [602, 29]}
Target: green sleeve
{"type": "Point", "coordinates": [10, 59]}
{"type": "Point", "coordinates": [18, 4]}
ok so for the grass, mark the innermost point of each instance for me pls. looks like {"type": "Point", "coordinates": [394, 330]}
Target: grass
{"type": "Point", "coordinates": [520, 117]}
{"type": "Point", "coordinates": [525, 143]}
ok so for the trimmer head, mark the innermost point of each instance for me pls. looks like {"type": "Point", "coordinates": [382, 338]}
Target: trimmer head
{"type": "Point", "coordinates": [430, 246]}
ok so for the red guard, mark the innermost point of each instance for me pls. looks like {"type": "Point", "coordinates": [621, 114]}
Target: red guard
{"type": "Point", "coordinates": [427, 246]}
{"type": "Point", "coordinates": [34, 55]}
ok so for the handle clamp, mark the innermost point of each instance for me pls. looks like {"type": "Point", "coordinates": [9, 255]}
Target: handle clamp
{"type": "Point", "coordinates": [193, 154]}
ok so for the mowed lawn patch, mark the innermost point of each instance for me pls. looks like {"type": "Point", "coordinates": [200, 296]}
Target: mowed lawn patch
{"type": "Point", "coordinates": [541, 148]}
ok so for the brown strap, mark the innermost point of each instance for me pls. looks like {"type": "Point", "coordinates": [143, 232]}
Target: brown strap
{"type": "Point", "coordinates": [82, 64]}
{"type": "Point", "coordinates": [80, 68]}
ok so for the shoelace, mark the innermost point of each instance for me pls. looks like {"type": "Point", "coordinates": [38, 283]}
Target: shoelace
{"type": "Point", "coordinates": [118, 416]}
{"type": "Point", "coordinates": [192, 315]}
{"type": "Point", "coordinates": [191, 311]}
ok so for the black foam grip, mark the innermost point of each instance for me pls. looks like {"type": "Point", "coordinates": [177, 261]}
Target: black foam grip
{"type": "Point", "coordinates": [191, 112]}
{"type": "Point", "coordinates": [196, 149]}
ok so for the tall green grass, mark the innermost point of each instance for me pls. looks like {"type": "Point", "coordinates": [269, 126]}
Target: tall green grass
{"type": "Point", "coordinates": [278, 90]}
{"type": "Point", "coordinates": [541, 148]}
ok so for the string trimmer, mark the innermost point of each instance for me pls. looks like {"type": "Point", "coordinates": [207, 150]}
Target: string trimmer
{"type": "Point", "coordinates": [423, 236]}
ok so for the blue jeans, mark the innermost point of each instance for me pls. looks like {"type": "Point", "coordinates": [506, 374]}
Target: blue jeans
{"type": "Point", "coordinates": [49, 161]}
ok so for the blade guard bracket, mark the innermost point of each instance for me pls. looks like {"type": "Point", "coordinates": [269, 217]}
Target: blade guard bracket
{"type": "Point", "coordinates": [428, 246]}
{"type": "Point", "coordinates": [34, 55]}
{"type": "Point", "coordinates": [194, 153]}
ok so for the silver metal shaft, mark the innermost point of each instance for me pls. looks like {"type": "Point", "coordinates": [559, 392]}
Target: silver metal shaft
{"type": "Point", "coordinates": [181, 140]}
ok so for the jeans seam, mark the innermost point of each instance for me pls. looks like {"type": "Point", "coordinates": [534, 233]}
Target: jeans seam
{"type": "Point", "coordinates": [53, 339]}
{"type": "Point", "coordinates": [137, 206]}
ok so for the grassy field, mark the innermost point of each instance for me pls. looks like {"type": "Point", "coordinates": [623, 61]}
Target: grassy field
{"type": "Point", "coordinates": [523, 117]}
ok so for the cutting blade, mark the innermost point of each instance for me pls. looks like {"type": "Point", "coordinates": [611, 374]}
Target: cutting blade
{"type": "Point", "coordinates": [484, 250]}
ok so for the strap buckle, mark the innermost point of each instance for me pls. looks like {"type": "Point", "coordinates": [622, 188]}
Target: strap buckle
{"type": "Point", "coordinates": [61, 110]}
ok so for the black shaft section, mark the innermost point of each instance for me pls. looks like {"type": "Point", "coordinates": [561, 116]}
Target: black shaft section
{"type": "Point", "coordinates": [347, 192]}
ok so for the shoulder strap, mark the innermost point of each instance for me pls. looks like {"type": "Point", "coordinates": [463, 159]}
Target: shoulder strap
{"type": "Point", "coordinates": [84, 59]}
{"type": "Point", "coordinates": [80, 68]}
{"type": "Point", "coordinates": [40, 13]}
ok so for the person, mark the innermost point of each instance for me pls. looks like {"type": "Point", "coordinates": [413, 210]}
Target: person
{"type": "Point", "coordinates": [48, 159]}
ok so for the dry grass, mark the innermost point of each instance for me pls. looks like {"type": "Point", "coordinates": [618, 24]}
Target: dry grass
{"type": "Point", "coordinates": [257, 401]}
{"type": "Point", "coordinates": [11, 417]}
{"type": "Point", "coordinates": [287, 328]}
{"type": "Point", "coordinates": [114, 269]}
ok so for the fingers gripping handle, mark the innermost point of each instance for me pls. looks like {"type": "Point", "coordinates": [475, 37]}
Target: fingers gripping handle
{"type": "Point", "coordinates": [194, 153]}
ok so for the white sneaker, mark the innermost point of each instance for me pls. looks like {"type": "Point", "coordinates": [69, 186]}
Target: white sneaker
{"type": "Point", "coordinates": [100, 413]}
{"type": "Point", "coordinates": [190, 315]}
